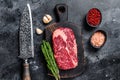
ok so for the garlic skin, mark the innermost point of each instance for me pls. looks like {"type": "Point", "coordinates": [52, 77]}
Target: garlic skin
{"type": "Point", "coordinates": [47, 18]}
{"type": "Point", "coordinates": [39, 31]}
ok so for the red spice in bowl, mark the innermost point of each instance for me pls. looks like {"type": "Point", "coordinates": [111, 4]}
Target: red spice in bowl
{"type": "Point", "coordinates": [98, 39]}
{"type": "Point", "coordinates": [94, 17]}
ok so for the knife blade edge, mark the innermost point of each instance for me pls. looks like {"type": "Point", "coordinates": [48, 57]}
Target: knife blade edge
{"type": "Point", "coordinates": [31, 29]}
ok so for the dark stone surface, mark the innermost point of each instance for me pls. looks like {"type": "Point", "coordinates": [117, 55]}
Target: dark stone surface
{"type": "Point", "coordinates": [103, 64]}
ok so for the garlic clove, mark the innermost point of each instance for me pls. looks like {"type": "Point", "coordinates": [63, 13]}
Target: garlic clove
{"type": "Point", "coordinates": [47, 18]}
{"type": "Point", "coordinates": [39, 31]}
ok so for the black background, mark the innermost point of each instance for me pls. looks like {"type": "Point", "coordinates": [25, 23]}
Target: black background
{"type": "Point", "coordinates": [103, 64]}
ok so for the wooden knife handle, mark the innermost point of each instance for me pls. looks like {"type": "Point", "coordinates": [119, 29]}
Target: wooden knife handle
{"type": "Point", "coordinates": [26, 74]}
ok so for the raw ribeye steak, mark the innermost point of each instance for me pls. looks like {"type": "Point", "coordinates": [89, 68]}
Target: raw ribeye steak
{"type": "Point", "coordinates": [65, 48]}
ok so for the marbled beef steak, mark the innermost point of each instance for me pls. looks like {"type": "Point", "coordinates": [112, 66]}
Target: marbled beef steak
{"type": "Point", "coordinates": [65, 48]}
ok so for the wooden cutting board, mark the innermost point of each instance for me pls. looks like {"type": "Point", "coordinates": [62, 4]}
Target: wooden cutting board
{"type": "Point", "coordinates": [81, 60]}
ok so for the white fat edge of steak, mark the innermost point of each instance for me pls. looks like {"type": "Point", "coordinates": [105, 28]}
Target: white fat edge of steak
{"type": "Point", "coordinates": [59, 33]}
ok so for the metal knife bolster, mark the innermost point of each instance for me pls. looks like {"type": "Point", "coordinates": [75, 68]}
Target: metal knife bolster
{"type": "Point", "coordinates": [26, 34]}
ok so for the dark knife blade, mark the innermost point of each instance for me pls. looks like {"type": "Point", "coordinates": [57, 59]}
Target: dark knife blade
{"type": "Point", "coordinates": [26, 40]}
{"type": "Point", "coordinates": [26, 34]}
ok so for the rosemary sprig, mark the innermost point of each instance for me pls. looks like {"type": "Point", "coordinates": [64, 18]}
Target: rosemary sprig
{"type": "Point", "coordinates": [49, 57]}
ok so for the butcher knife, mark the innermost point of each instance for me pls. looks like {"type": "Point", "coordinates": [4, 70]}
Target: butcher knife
{"type": "Point", "coordinates": [26, 40]}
